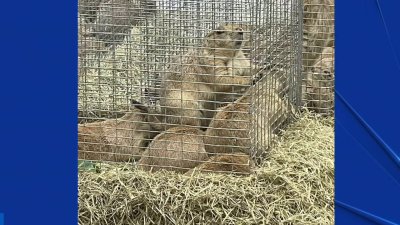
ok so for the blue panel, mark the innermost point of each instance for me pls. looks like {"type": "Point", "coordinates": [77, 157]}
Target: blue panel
{"type": "Point", "coordinates": [367, 114]}
{"type": "Point", "coordinates": [38, 151]}
{"type": "Point", "coordinates": [349, 217]}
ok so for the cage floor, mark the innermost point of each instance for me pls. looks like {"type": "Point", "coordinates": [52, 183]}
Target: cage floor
{"type": "Point", "coordinates": [295, 185]}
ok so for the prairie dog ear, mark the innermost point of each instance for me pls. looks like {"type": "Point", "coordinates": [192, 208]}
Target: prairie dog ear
{"type": "Point", "coordinates": [220, 27]}
{"type": "Point", "coordinates": [139, 106]}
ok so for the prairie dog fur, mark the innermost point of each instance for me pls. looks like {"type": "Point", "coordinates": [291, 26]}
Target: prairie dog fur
{"type": "Point", "coordinates": [114, 19]}
{"type": "Point", "coordinates": [202, 75]}
{"type": "Point", "coordinates": [318, 29]}
{"type": "Point", "coordinates": [231, 130]}
{"type": "Point", "coordinates": [320, 81]}
{"type": "Point", "coordinates": [177, 149]}
{"type": "Point", "coordinates": [120, 140]}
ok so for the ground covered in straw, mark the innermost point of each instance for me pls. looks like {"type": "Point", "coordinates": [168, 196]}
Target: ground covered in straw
{"type": "Point", "coordinates": [294, 186]}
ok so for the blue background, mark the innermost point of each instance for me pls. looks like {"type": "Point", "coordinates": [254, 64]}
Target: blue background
{"type": "Point", "coordinates": [38, 158]}
{"type": "Point", "coordinates": [367, 112]}
{"type": "Point", "coordinates": [38, 129]}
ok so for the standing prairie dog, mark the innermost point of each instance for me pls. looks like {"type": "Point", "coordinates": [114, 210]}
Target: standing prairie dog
{"type": "Point", "coordinates": [193, 83]}
{"type": "Point", "coordinates": [177, 149]}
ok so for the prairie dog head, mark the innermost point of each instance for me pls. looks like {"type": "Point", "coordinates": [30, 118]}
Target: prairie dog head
{"type": "Point", "coordinates": [324, 68]}
{"type": "Point", "coordinates": [120, 140]}
{"type": "Point", "coordinates": [225, 37]}
{"type": "Point", "coordinates": [151, 120]}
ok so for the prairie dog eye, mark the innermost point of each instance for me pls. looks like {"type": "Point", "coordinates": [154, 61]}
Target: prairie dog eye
{"type": "Point", "coordinates": [219, 32]}
{"type": "Point", "coordinates": [239, 30]}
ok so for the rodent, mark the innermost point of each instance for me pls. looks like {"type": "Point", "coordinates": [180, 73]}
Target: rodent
{"type": "Point", "coordinates": [318, 29]}
{"type": "Point", "coordinates": [177, 149]}
{"type": "Point", "coordinates": [253, 117]}
{"type": "Point", "coordinates": [115, 18]}
{"type": "Point", "coordinates": [203, 76]}
{"type": "Point", "coordinates": [121, 140]}
{"type": "Point", "coordinates": [318, 88]}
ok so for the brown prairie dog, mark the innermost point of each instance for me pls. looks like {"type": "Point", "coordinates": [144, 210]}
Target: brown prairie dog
{"type": "Point", "coordinates": [177, 149]}
{"type": "Point", "coordinates": [318, 89]}
{"type": "Point", "coordinates": [121, 140]}
{"type": "Point", "coordinates": [114, 19]}
{"type": "Point", "coordinates": [318, 29]}
{"type": "Point", "coordinates": [234, 125]}
{"type": "Point", "coordinates": [203, 74]}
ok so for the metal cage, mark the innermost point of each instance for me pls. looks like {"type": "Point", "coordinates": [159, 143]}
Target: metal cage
{"type": "Point", "coordinates": [187, 85]}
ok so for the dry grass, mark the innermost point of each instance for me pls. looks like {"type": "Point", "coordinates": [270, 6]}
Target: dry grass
{"type": "Point", "coordinates": [295, 185]}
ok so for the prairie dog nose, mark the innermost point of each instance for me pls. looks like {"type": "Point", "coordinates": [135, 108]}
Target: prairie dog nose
{"type": "Point", "coordinates": [239, 30]}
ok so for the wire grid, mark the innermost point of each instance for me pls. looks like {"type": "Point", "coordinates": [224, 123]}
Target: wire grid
{"type": "Point", "coordinates": [318, 56]}
{"type": "Point", "coordinates": [128, 51]}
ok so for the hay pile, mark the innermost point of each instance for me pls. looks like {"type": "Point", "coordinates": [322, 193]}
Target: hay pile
{"type": "Point", "coordinates": [294, 186]}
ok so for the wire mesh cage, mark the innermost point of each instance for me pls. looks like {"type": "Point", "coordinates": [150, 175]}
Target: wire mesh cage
{"type": "Point", "coordinates": [318, 56]}
{"type": "Point", "coordinates": [187, 84]}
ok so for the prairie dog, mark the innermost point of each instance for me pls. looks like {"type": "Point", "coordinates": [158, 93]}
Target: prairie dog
{"type": "Point", "coordinates": [177, 149]}
{"type": "Point", "coordinates": [202, 75]}
{"type": "Point", "coordinates": [239, 164]}
{"type": "Point", "coordinates": [318, 89]}
{"type": "Point", "coordinates": [318, 29]}
{"type": "Point", "coordinates": [234, 125]}
{"type": "Point", "coordinates": [115, 18]}
{"type": "Point", "coordinates": [120, 140]}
